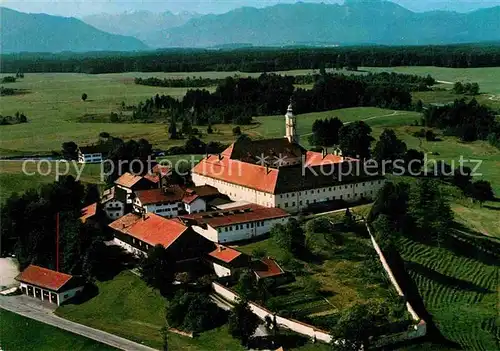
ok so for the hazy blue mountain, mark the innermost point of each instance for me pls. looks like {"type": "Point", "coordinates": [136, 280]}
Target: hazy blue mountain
{"type": "Point", "coordinates": [44, 33]}
{"type": "Point", "coordinates": [355, 22]}
{"type": "Point", "coordinates": [146, 26]}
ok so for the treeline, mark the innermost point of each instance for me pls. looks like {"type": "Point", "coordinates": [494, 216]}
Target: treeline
{"type": "Point", "coordinates": [469, 121]}
{"type": "Point", "coordinates": [16, 119]}
{"type": "Point", "coordinates": [194, 82]}
{"type": "Point", "coordinates": [236, 100]}
{"type": "Point", "coordinates": [33, 241]}
{"type": "Point", "coordinates": [255, 59]}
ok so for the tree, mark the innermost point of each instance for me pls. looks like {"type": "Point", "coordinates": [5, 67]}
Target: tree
{"type": "Point", "coordinates": [91, 194]}
{"type": "Point", "coordinates": [209, 129]}
{"type": "Point", "coordinates": [413, 161]}
{"type": "Point", "coordinates": [237, 130]}
{"type": "Point", "coordinates": [194, 312]}
{"type": "Point", "coordinates": [289, 236]}
{"type": "Point", "coordinates": [310, 286]}
{"type": "Point", "coordinates": [321, 226]}
{"type": "Point", "coordinates": [247, 286]}
{"type": "Point", "coordinates": [242, 322]}
{"type": "Point", "coordinates": [357, 325]}
{"type": "Point", "coordinates": [84, 96]}
{"type": "Point", "coordinates": [385, 234]}
{"type": "Point", "coordinates": [172, 129]}
{"type": "Point", "coordinates": [481, 191]}
{"type": "Point", "coordinates": [348, 219]}
{"type": "Point", "coordinates": [419, 106]}
{"type": "Point", "coordinates": [325, 132]}
{"type": "Point", "coordinates": [389, 148]}
{"type": "Point", "coordinates": [70, 150]}
{"type": "Point", "coordinates": [431, 215]}
{"type": "Point", "coordinates": [157, 269]}
{"type": "Point", "coordinates": [355, 140]}
{"type": "Point", "coordinates": [458, 88]}
{"type": "Point", "coordinates": [474, 89]}
{"type": "Point", "coordinates": [186, 127]}
{"type": "Point", "coordinates": [430, 136]}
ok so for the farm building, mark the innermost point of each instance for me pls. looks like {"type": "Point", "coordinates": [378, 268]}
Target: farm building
{"type": "Point", "coordinates": [131, 182]}
{"type": "Point", "coordinates": [139, 233]}
{"type": "Point", "coordinates": [48, 285]}
{"type": "Point", "coordinates": [227, 261]}
{"type": "Point", "coordinates": [235, 224]}
{"type": "Point", "coordinates": [91, 154]}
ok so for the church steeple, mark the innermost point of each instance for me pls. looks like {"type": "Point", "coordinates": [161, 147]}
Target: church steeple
{"type": "Point", "coordinates": [291, 125]}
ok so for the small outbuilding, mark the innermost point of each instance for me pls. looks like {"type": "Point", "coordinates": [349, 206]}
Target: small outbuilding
{"type": "Point", "coordinates": [48, 285]}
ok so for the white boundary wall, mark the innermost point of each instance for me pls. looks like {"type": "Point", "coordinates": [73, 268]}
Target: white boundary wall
{"type": "Point", "coordinates": [418, 330]}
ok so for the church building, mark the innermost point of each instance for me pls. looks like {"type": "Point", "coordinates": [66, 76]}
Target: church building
{"type": "Point", "coordinates": [281, 173]}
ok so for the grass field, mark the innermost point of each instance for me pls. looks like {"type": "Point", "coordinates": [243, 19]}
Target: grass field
{"type": "Point", "coordinates": [460, 292]}
{"type": "Point", "coordinates": [125, 306]}
{"type": "Point", "coordinates": [487, 78]}
{"type": "Point", "coordinates": [23, 334]}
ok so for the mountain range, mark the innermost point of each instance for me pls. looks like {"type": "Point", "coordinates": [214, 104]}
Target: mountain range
{"type": "Point", "coordinates": [146, 26]}
{"type": "Point", "coordinates": [44, 33]}
{"type": "Point", "coordinates": [354, 22]}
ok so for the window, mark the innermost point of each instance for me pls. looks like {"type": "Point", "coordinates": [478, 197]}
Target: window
{"type": "Point", "coordinates": [286, 204]}
{"type": "Point", "coordinates": [300, 202]}
{"type": "Point", "coordinates": [248, 225]}
{"type": "Point", "coordinates": [251, 224]}
{"type": "Point", "coordinates": [287, 195]}
{"type": "Point", "coordinates": [329, 189]}
{"type": "Point", "coordinates": [293, 204]}
{"type": "Point", "coordinates": [318, 191]}
{"type": "Point", "coordinates": [363, 184]}
{"type": "Point", "coordinates": [324, 190]}
{"type": "Point", "coordinates": [307, 202]}
{"type": "Point", "coordinates": [348, 195]}
{"type": "Point", "coordinates": [314, 200]}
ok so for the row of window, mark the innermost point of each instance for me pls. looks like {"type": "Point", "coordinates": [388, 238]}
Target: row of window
{"type": "Point", "coordinates": [305, 192]}
{"type": "Point", "coordinates": [242, 226]}
{"type": "Point", "coordinates": [327, 199]}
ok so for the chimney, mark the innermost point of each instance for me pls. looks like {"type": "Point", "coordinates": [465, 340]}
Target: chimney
{"type": "Point", "coordinates": [220, 157]}
{"type": "Point", "coordinates": [323, 151]}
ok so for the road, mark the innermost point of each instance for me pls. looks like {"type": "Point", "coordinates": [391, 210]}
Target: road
{"type": "Point", "coordinates": [31, 308]}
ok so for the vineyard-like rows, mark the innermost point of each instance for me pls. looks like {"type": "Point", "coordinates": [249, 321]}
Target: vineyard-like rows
{"type": "Point", "coordinates": [458, 291]}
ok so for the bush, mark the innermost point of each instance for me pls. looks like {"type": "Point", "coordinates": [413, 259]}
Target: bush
{"type": "Point", "coordinates": [237, 130]}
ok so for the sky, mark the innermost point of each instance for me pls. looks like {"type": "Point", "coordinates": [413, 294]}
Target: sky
{"type": "Point", "coordinates": [79, 8]}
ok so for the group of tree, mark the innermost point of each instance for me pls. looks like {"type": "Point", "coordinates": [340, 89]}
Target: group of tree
{"type": "Point", "coordinates": [469, 121]}
{"type": "Point", "coordinates": [33, 241]}
{"type": "Point", "coordinates": [188, 82]}
{"type": "Point", "coordinates": [466, 88]}
{"type": "Point", "coordinates": [16, 119]}
{"type": "Point", "coordinates": [237, 99]}
{"type": "Point", "coordinates": [8, 79]}
{"type": "Point", "coordinates": [419, 211]}
{"type": "Point", "coordinates": [289, 236]}
{"type": "Point", "coordinates": [193, 145]}
{"type": "Point", "coordinates": [8, 91]}
{"type": "Point", "coordinates": [193, 312]}
{"type": "Point", "coordinates": [255, 59]}
{"type": "Point", "coordinates": [325, 132]}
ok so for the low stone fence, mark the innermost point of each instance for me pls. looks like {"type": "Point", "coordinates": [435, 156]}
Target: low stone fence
{"type": "Point", "coordinates": [420, 328]}
{"type": "Point", "coordinates": [417, 330]}
{"type": "Point", "coordinates": [294, 325]}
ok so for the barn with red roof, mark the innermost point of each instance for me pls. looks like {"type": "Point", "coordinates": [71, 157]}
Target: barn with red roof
{"type": "Point", "coordinates": [139, 233]}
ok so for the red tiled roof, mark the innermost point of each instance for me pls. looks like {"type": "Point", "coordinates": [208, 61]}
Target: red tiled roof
{"type": "Point", "coordinates": [188, 198]}
{"type": "Point", "coordinates": [152, 178]}
{"type": "Point", "coordinates": [236, 215]}
{"type": "Point", "coordinates": [272, 269]}
{"type": "Point", "coordinates": [155, 196]}
{"type": "Point", "coordinates": [88, 212]}
{"type": "Point", "coordinates": [160, 169]}
{"type": "Point", "coordinates": [237, 172]}
{"type": "Point", "coordinates": [151, 229]}
{"type": "Point", "coordinates": [317, 159]}
{"type": "Point", "coordinates": [43, 277]}
{"type": "Point", "coordinates": [128, 180]}
{"type": "Point", "coordinates": [225, 254]}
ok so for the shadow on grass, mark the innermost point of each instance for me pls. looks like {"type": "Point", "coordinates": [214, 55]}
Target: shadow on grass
{"type": "Point", "coordinates": [444, 279]}
{"type": "Point", "coordinates": [89, 292]}
{"type": "Point", "coordinates": [413, 296]}
{"type": "Point", "coordinates": [273, 342]}
{"type": "Point", "coordinates": [116, 261]}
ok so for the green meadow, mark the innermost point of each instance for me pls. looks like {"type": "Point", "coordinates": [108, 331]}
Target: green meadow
{"type": "Point", "coordinates": [24, 334]}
